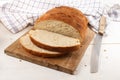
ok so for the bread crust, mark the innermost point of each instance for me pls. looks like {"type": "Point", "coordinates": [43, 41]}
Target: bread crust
{"type": "Point", "coordinates": [68, 15]}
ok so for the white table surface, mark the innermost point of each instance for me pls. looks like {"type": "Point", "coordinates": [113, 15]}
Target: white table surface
{"type": "Point", "coordinates": [15, 69]}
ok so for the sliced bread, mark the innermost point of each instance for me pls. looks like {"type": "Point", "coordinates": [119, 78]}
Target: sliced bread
{"type": "Point", "coordinates": [28, 45]}
{"type": "Point", "coordinates": [54, 41]}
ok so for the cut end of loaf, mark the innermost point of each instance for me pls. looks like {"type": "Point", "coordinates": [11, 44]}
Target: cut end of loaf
{"type": "Point", "coordinates": [58, 27]}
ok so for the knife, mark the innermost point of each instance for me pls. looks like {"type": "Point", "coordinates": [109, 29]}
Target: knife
{"type": "Point", "coordinates": [97, 46]}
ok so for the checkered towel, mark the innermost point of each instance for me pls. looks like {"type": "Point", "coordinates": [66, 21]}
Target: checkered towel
{"type": "Point", "coordinates": [112, 12]}
{"type": "Point", "coordinates": [18, 14]}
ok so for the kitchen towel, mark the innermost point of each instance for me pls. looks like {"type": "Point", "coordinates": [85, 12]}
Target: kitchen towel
{"type": "Point", "coordinates": [112, 12]}
{"type": "Point", "coordinates": [17, 14]}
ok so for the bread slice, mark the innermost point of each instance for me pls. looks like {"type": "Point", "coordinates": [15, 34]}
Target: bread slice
{"type": "Point", "coordinates": [28, 45]}
{"type": "Point", "coordinates": [76, 20]}
{"type": "Point", "coordinates": [54, 41]}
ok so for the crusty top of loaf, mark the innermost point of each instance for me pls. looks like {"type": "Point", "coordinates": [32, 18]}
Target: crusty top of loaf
{"type": "Point", "coordinates": [67, 12]}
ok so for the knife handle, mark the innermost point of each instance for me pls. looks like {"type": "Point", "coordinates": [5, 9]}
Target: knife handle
{"type": "Point", "coordinates": [102, 25]}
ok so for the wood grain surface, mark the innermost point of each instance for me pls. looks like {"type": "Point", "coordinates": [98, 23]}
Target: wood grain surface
{"type": "Point", "coordinates": [67, 63]}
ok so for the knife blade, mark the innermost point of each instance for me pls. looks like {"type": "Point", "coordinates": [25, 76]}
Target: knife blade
{"type": "Point", "coordinates": [97, 46]}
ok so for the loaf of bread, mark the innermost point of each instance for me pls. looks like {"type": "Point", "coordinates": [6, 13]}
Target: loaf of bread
{"type": "Point", "coordinates": [54, 41]}
{"type": "Point", "coordinates": [59, 31]}
{"type": "Point", "coordinates": [28, 45]}
{"type": "Point", "coordinates": [64, 20]}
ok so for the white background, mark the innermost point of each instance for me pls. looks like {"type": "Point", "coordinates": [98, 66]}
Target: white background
{"type": "Point", "coordinates": [15, 69]}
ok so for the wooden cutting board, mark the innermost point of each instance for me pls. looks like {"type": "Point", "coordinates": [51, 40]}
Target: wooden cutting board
{"type": "Point", "coordinates": [67, 63]}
